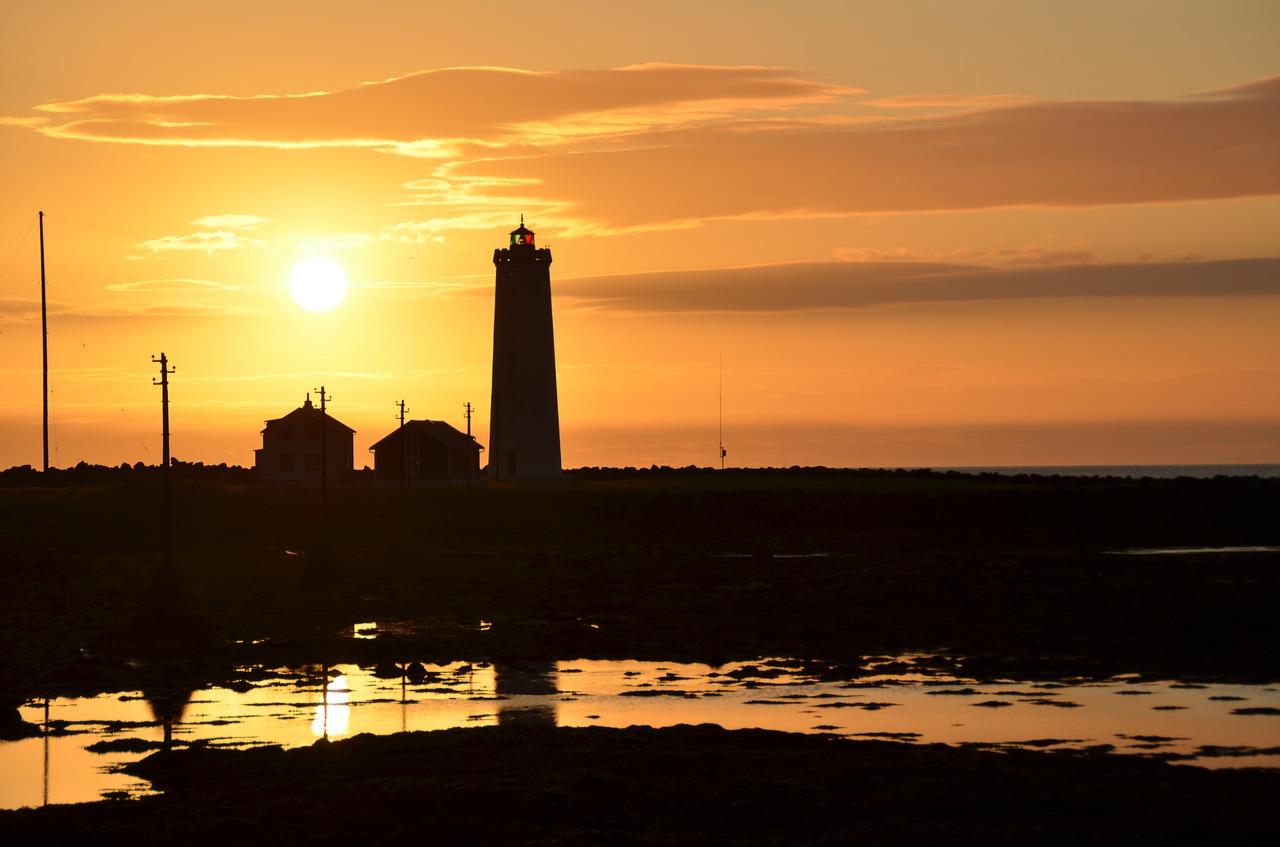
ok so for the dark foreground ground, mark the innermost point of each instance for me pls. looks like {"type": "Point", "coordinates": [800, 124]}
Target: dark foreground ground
{"type": "Point", "coordinates": [677, 786]}
{"type": "Point", "coordinates": [1013, 577]}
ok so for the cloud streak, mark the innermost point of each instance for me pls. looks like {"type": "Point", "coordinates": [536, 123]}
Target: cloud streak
{"type": "Point", "coordinates": [209, 242]}
{"type": "Point", "coordinates": [170, 285]}
{"type": "Point", "coordinates": [843, 286]}
{"type": "Point", "coordinates": [671, 146]}
{"type": "Point", "coordinates": [430, 113]}
{"type": "Point", "coordinates": [1071, 154]}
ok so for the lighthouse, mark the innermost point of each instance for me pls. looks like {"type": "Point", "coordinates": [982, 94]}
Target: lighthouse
{"type": "Point", "coordinates": [524, 413]}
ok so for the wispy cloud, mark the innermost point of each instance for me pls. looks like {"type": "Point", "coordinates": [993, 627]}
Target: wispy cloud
{"type": "Point", "coordinates": [486, 107]}
{"type": "Point", "coordinates": [230, 221]}
{"type": "Point", "coordinates": [948, 101]}
{"type": "Point", "coordinates": [172, 285]}
{"type": "Point", "coordinates": [1071, 154]}
{"type": "Point", "coordinates": [671, 146]}
{"type": "Point", "coordinates": [1048, 251]}
{"type": "Point", "coordinates": [840, 286]}
{"type": "Point", "coordinates": [213, 241]}
{"type": "Point", "coordinates": [218, 234]}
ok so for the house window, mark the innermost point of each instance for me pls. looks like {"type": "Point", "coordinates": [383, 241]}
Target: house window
{"type": "Point", "coordinates": [285, 461]}
{"type": "Point", "coordinates": [286, 432]}
{"type": "Point", "coordinates": [313, 432]}
{"type": "Point", "coordinates": [313, 462]}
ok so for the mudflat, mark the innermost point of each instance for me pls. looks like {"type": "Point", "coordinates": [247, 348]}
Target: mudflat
{"type": "Point", "coordinates": [1019, 576]}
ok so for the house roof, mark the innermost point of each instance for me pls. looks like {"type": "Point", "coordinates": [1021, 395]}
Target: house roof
{"type": "Point", "coordinates": [309, 412]}
{"type": "Point", "coordinates": [439, 431]}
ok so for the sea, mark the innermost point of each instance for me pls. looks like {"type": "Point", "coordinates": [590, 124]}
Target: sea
{"type": "Point", "coordinates": [1133, 471]}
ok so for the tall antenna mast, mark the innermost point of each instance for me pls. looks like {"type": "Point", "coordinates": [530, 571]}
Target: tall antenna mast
{"type": "Point", "coordinates": [44, 345]}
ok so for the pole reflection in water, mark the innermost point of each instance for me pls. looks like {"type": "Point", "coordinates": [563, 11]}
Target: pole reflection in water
{"type": "Point", "coordinates": [525, 679]}
{"type": "Point", "coordinates": [44, 732]}
{"type": "Point", "coordinates": [333, 713]}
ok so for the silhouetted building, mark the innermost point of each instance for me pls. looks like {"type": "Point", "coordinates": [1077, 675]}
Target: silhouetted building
{"type": "Point", "coordinates": [291, 447]}
{"type": "Point", "coordinates": [524, 413]}
{"type": "Point", "coordinates": [426, 452]}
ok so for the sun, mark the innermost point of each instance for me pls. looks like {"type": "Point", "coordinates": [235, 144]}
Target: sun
{"type": "Point", "coordinates": [318, 283]}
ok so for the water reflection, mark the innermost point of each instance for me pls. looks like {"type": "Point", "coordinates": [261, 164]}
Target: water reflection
{"type": "Point", "coordinates": [1212, 725]}
{"type": "Point", "coordinates": [333, 713]}
{"type": "Point", "coordinates": [1179, 551]}
{"type": "Point", "coordinates": [44, 734]}
{"type": "Point", "coordinates": [168, 702]}
{"type": "Point", "coordinates": [530, 686]}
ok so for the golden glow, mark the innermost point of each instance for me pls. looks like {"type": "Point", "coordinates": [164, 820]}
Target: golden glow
{"type": "Point", "coordinates": [783, 144]}
{"type": "Point", "coordinates": [318, 284]}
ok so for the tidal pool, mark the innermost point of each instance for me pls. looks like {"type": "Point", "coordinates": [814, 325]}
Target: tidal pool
{"type": "Point", "coordinates": [1214, 725]}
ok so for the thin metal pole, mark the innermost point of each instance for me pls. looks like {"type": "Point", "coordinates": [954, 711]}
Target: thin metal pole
{"type": "Point", "coordinates": [44, 344]}
{"type": "Point", "coordinates": [722, 450]}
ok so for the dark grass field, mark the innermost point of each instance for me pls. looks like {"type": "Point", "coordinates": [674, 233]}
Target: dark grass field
{"type": "Point", "coordinates": [1017, 575]}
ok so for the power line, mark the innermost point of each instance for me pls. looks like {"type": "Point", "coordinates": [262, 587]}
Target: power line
{"type": "Point", "coordinates": [104, 384]}
{"type": "Point", "coordinates": [97, 226]}
{"type": "Point", "coordinates": [17, 250]}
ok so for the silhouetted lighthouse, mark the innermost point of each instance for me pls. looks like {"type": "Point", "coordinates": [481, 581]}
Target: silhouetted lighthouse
{"type": "Point", "coordinates": [524, 415]}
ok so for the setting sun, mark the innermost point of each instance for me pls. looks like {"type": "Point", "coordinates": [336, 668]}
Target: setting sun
{"type": "Point", "coordinates": [318, 283]}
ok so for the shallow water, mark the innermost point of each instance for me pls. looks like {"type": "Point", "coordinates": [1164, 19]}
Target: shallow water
{"type": "Point", "coordinates": [1199, 724]}
{"type": "Point", "coordinates": [1177, 551]}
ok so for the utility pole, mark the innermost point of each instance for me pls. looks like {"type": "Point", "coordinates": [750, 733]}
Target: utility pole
{"type": "Point", "coordinates": [44, 345]}
{"type": "Point", "coordinates": [404, 450]}
{"type": "Point", "coordinates": [322, 563]}
{"type": "Point", "coordinates": [167, 612]}
{"type": "Point", "coordinates": [324, 463]}
{"type": "Point", "coordinates": [166, 485]}
{"type": "Point", "coordinates": [471, 455]}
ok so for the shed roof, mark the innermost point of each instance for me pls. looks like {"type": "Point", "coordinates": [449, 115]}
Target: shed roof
{"type": "Point", "coordinates": [439, 431]}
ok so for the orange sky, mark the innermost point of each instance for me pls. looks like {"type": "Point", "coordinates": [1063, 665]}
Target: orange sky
{"type": "Point", "coordinates": [918, 233]}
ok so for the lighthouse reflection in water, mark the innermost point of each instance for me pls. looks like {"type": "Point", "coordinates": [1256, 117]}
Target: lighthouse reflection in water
{"type": "Point", "coordinates": [535, 679]}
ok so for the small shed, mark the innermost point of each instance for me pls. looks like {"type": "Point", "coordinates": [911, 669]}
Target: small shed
{"type": "Point", "coordinates": [426, 452]}
{"type": "Point", "coordinates": [291, 447]}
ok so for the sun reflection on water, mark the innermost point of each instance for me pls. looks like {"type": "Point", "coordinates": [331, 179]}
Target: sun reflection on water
{"type": "Point", "coordinates": [333, 712]}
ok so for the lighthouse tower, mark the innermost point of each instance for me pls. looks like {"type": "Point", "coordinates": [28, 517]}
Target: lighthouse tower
{"type": "Point", "coordinates": [524, 414]}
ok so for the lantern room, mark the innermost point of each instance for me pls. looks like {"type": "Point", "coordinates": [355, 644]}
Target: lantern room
{"type": "Point", "coordinates": [522, 236]}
